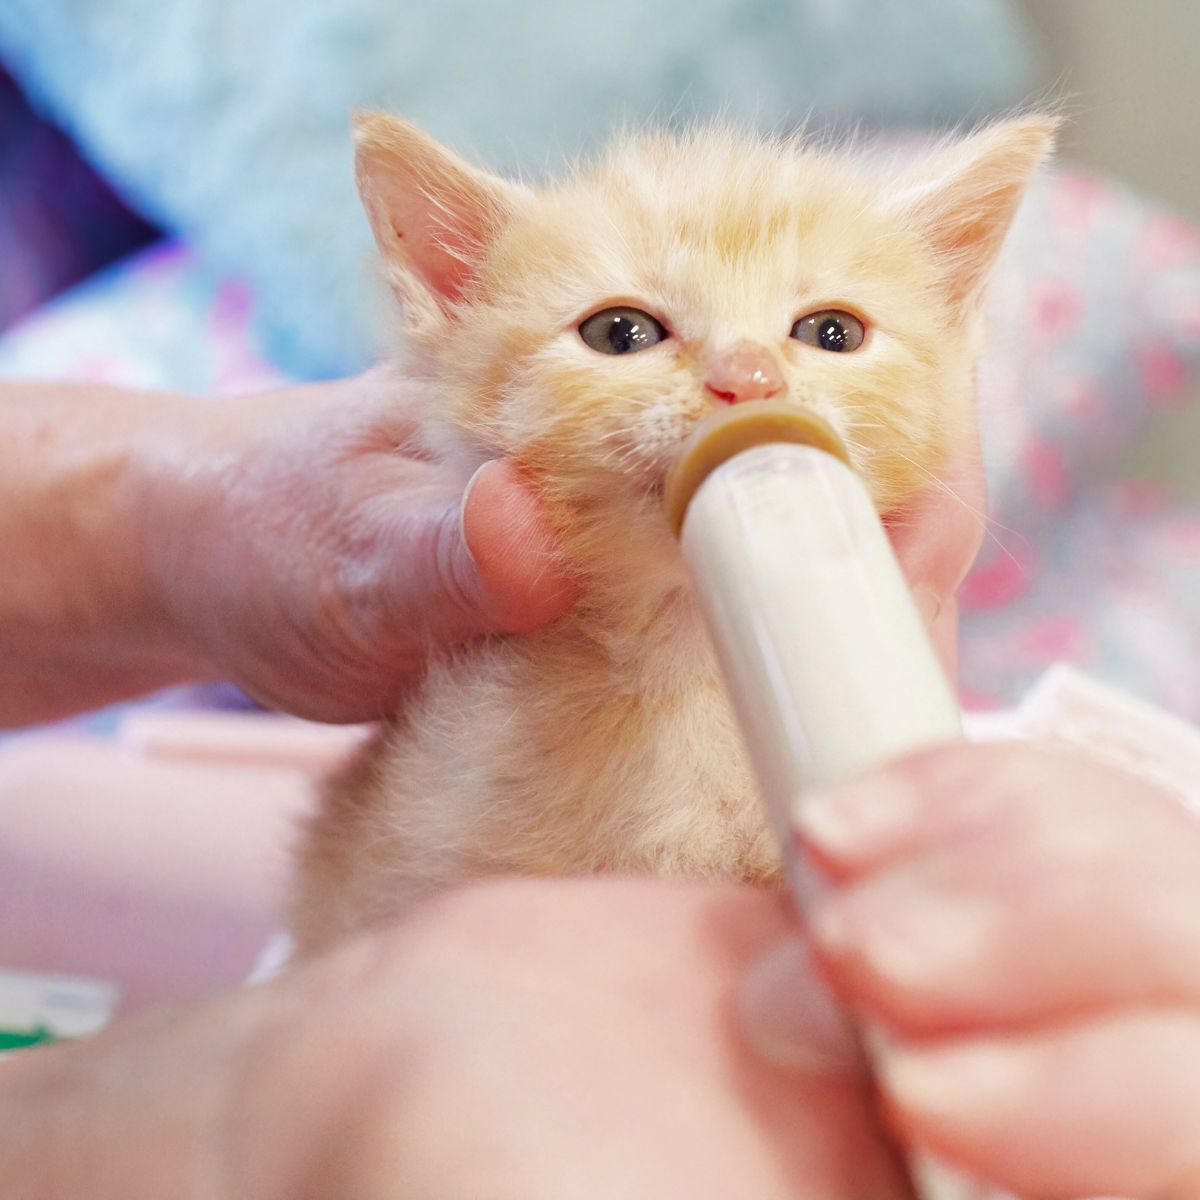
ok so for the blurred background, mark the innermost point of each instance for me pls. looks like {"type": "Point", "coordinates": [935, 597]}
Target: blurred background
{"type": "Point", "coordinates": [177, 211]}
{"type": "Point", "coordinates": [1129, 76]}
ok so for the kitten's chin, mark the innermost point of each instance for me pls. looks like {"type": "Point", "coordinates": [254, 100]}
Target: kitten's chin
{"type": "Point", "coordinates": [652, 442]}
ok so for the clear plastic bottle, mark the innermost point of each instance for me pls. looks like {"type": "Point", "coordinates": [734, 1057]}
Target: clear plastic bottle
{"type": "Point", "coordinates": [826, 660]}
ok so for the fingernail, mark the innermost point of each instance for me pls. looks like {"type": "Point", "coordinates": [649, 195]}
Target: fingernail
{"type": "Point", "coordinates": [790, 1019]}
{"type": "Point", "coordinates": [929, 605]}
{"type": "Point", "coordinates": [942, 1082]}
{"type": "Point", "coordinates": [857, 817]}
{"type": "Point", "coordinates": [462, 510]}
{"type": "Point", "coordinates": [911, 941]}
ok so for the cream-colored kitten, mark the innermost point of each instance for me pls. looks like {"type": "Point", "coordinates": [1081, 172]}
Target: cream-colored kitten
{"type": "Point", "coordinates": [581, 331]}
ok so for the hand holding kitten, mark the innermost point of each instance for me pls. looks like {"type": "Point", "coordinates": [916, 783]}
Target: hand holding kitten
{"type": "Point", "coordinates": [296, 542]}
{"type": "Point", "coordinates": [314, 555]}
{"type": "Point", "coordinates": [347, 554]}
{"type": "Point", "coordinates": [518, 1040]}
{"type": "Point", "coordinates": [936, 537]}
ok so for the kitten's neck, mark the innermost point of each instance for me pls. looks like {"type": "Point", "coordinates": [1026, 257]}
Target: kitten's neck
{"type": "Point", "coordinates": [637, 607]}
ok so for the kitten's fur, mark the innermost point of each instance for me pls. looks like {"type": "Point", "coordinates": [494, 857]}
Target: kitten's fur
{"type": "Point", "coordinates": [605, 742]}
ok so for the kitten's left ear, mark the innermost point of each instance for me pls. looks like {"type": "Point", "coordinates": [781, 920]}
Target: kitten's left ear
{"type": "Point", "coordinates": [434, 216]}
{"type": "Point", "coordinates": [965, 211]}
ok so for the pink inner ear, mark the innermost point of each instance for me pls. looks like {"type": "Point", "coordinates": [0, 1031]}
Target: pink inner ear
{"type": "Point", "coordinates": [433, 215]}
{"type": "Point", "coordinates": [968, 247]}
{"type": "Point", "coordinates": [443, 243]}
{"type": "Point", "coordinates": [969, 214]}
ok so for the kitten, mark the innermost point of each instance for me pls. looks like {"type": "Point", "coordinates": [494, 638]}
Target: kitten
{"type": "Point", "coordinates": [581, 331]}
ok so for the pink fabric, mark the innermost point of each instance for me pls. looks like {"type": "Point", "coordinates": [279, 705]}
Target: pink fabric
{"type": "Point", "coordinates": [166, 878]}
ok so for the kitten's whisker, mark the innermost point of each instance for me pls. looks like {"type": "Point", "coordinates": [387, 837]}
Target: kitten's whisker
{"type": "Point", "coordinates": [988, 524]}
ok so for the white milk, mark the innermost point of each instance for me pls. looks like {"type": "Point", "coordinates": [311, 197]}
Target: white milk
{"type": "Point", "coordinates": [827, 661]}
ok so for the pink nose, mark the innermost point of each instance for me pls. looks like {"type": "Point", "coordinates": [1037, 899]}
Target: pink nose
{"type": "Point", "coordinates": [746, 371]}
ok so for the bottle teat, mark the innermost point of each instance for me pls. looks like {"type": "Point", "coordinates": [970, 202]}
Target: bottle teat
{"type": "Point", "coordinates": [729, 431]}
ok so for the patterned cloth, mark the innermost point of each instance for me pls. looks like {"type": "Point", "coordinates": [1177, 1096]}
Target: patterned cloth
{"type": "Point", "coordinates": [1115, 591]}
{"type": "Point", "coordinates": [157, 320]}
{"type": "Point", "coordinates": [1094, 330]}
{"type": "Point", "coordinates": [1094, 334]}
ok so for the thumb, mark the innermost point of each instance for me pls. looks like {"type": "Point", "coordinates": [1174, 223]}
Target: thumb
{"type": "Point", "coordinates": [496, 567]}
{"type": "Point", "coordinates": [936, 536]}
{"type": "Point", "coordinates": [788, 1016]}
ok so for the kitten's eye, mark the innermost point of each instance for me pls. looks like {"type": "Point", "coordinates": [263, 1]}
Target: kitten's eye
{"type": "Point", "coordinates": [832, 329]}
{"type": "Point", "coordinates": [621, 331]}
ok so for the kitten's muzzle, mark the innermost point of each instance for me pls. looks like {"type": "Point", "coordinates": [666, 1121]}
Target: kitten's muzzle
{"type": "Point", "coordinates": [745, 371]}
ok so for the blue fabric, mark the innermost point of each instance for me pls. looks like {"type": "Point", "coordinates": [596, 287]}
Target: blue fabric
{"type": "Point", "coordinates": [227, 119]}
{"type": "Point", "coordinates": [58, 221]}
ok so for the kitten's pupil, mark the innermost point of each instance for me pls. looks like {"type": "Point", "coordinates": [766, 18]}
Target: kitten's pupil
{"type": "Point", "coordinates": [621, 331]}
{"type": "Point", "coordinates": [625, 334]}
{"type": "Point", "coordinates": [832, 335]}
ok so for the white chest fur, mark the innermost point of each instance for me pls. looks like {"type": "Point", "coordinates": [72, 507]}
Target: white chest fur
{"type": "Point", "coordinates": [580, 749]}
{"type": "Point", "coordinates": [575, 750]}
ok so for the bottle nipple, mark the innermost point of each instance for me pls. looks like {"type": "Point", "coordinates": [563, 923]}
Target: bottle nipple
{"type": "Point", "coordinates": [741, 427]}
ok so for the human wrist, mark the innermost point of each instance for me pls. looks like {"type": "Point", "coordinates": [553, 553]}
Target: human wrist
{"type": "Point", "coordinates": [137, 1112]}
{"type": "Point", "coordinates": [322, 1087]}
{"type": "Point", "coordinates": [81, 621]}
{"type": "Point", "coordinates": [247, 1094]}
{"type": "Point", "coordinates": [177, 467]}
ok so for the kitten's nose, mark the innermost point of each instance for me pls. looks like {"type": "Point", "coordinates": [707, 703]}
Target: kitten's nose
{"type": "Point", "coordinates": [746, 371]}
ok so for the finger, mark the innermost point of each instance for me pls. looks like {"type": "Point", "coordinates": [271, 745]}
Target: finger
{"type": "Point", "coordinates": [507, 545]}
{"type": "Point", "coordinates": [459, 567]}
{"type": "Point", "coordinates": [1106, 1107]}
{"type": "Point", "coordinates": [936, 536]}
{"type": "Point", "coordinates": [943, 633]}
{"type": "Point", "coordinates": [789, 1017]}
{"type": "Point", "coordinates": [937, 533]}
{"type": "Point", "coordinates": [985, 886]}
{"type": "Point", "coordinates": [996, 936]}
{"type": "Point", "coordinates": [941, 796]}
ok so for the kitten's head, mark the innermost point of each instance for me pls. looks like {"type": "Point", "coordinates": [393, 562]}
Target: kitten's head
{"type": "Point", "coordinates": [583, 329]}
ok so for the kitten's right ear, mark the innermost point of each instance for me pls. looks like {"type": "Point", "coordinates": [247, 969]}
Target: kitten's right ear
{"type": "Point", "coordinates": [433, 215]}
{"type": "Point", "coordinates": [968, 196]}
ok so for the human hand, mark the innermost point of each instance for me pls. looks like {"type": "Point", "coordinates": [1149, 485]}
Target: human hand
{"type": "Point", "coordinates": [1025, 925]}
{"type": "Point", "coordinates": [937, 535]}
{"type": "Point", "coordinates": [573, 1040]}
{"type": "Point", "coordinates": [306, 549]}
{"type": "Point", "coordinates": [520, 1040]}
